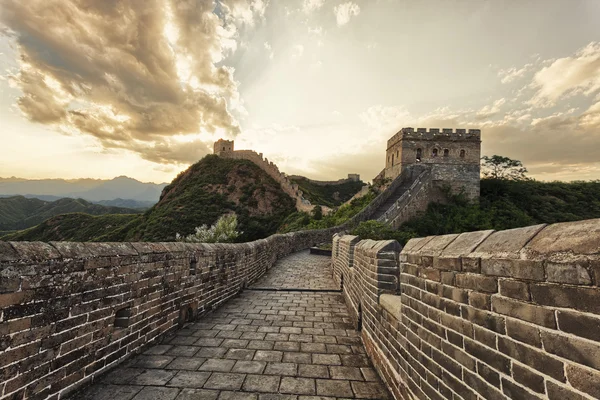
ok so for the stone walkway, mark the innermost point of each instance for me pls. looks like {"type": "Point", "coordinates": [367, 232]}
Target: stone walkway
{"type": "Point", "coordinates": [299, 271]}
{"type": "Point", "coordinates": [261, 345]}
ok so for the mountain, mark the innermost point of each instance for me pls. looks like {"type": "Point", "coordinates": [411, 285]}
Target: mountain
{"type": "Point", "coordinates": [199, 195]}
{"type": "Point", "coordinates": [19, 212]}
{"type": "Point", "coordinates": [330, 195]}
{"type": "Point", "coordinates": [89, 189]}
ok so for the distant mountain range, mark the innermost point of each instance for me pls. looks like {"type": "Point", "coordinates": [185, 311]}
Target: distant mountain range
{"type": "Point", "coordinates": [18, 212]}
{"type": "Point", "coordinates": [101, 191]}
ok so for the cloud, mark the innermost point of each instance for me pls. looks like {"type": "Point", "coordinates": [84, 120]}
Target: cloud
{"type": "Point", "coordinates": [132, 74]}
{"type": "Point", "coordinates": [491, 109]}
{"type": "Point", "coordinates": [512, 74]}
{"type": "Point", "coordinates": [297, 51]}
{"type": "Point", "coordinates": [309, 6]}
{"type": "Point", "coordinates": [269, 50]}
{"type": "Point", "coordinates": [343, 12]}
{"type": "Point", "coordinates": [568, 76]}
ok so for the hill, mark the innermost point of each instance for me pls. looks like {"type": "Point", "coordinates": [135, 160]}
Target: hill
{"type": "Point", "coordinates": [18, 212]}
{"type": "Point", "coordinates": [89, 189]}
{"type": "Point", "coordinates": [330, 195]}
{"type": "Point", "coordinates": [200, 195]}
{"type": "Point", "coordinates": [504, 204]}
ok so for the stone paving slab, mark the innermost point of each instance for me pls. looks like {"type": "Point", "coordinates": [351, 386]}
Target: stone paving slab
{"type": "Point", "coordinates": [261, 345]}
{"type": "Point", "coordinates": [300, 270]}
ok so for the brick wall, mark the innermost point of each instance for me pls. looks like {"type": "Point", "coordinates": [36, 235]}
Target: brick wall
{"type": "Point", "coordinates": [70, 311]}
{"type": "Point", "coordinates": [482, 315]}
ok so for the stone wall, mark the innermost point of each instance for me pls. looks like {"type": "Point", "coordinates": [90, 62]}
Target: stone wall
{"type": "Point", "coordinates": [482, 315]}
{"type": "Point", "coordinates": [71, 311]}
{"type": "Point", "coordinates": [271, 169]}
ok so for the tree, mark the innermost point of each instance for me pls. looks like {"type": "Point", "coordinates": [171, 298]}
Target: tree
{"type": "Point", "coordinates": [317, 213]}
{"type": "Point", "coordinates": [503, 168]}
{"type": "Point", "coordinates": [223, 231]}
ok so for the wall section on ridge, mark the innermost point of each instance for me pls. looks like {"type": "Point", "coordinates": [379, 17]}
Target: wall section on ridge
{"type": "Point", "coordinates": [71, 311]}
{"type": "Point", "coordinates": [512, 314]}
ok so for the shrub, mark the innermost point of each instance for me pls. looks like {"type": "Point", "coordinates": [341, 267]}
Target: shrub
{"type": "Point", "coordinates": [223, 231]}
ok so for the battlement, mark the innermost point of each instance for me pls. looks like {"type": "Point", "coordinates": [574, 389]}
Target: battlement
{"type": "Point", "coordinates": [223, 145]}
{"type": "Point", "coordinates": [435, 134]}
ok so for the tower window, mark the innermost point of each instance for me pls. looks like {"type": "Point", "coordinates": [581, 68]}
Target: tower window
{"type": "Point", "coordinates": [462, 154]}
{"type": "Point", "coordinates": [223, 148]}
{"type": "Point", "coordinates": [446, 152]}
{"type": "Point", "coordinates": [392, 159]}
{"type": "Point", "coordinates": [435, 152]}
{"type": "Point", "coordinates": [419, 155]}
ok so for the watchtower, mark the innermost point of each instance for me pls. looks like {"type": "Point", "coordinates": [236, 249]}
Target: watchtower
{"type": "Point", "coordinates": [452, 155]}
{"type": "Point", "coordinates": [223, 146]}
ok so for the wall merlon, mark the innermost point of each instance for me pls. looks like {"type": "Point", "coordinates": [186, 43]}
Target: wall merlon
{"type": "Point", "coordinates": [435, 134]}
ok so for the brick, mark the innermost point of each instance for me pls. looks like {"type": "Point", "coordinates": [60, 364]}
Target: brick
{"type": "Point", "coordinates": [528, 378]}
{"type": "Point", "coordinates": [557, 392]}
{"type": "Point", "coordinates": [579, 324]}
{"type": "Point", "coordinates": [515, 289]}
{"type": "Point", "coordinates": [585, 380]}
{"type": "Point", "coordinates": [488, 374]}
{"type": "Point", "coordinates": [520, 269]}
{"type": "Point", "coordinates": [575, 274]}
{"type": "Point", "coordinates": [471, 264]}
{"type": "Point", "coordinates": [480, 300]}
{"type": "Point", "coordinates": [482, 387]}
{"type": "Point", "coordinates": [534, 358]}
{"type": "Point", "coordinates": [516, 392]}
{"type": "Point", "coordinates": [491, 357]}
{"type": "Point", "coordinates": [485, 319]}
{"type": "Point", "coordinates": [579, 298]}
{"type": "Point", "coordinates": [523, 332]}
{"type": "Point", "coordinates": [580, 351]}
{"type": "Point", "coordinates": [477, 282]}
{"type": "Point", "coordinates": [524, 311]}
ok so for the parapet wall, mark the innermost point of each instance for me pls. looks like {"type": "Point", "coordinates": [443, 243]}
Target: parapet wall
{"type": "Point", "coordinates": [512, 314]}
{"type": "Point", "coordinates": [270, 168]}
{"type": "Point", "coordinates": [435, 134]}
{"type": "Point", "coordinates": [71, 311]}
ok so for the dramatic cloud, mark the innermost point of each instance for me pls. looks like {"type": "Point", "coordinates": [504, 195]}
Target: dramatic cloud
{"type": "Point", "coordinates": [343, 12]}
{"type": "Point", "coordinates": [579, 74]}
{"type": "Point", "coordinates": [132, 74]}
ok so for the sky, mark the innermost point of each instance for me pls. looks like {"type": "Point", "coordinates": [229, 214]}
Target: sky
{"type": "Point", "coordinates": [142, 88]}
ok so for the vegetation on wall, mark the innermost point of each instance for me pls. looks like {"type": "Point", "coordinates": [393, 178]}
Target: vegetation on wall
{"type": "Point", "coordinates": [331, 195]}
{"type": "Point", "coordinates": [510, 201]}
{"type": "Point", "coordinates": [302, 220]}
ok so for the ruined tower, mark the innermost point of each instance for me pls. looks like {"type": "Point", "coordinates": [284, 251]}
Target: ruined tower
{"type": "Point", "coordinates": [223, 146]}
{"type": "Point", "coordinates": [452, 155]}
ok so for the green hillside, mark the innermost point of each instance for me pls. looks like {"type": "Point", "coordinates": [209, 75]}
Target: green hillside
{"type": "Point", "coordinates": [200, 195]}
{"type": "Point", "coordinates": [504, 204]}
{"type": "Point", "coordinates": [328, 195]}
{"type": "Point", "coordinates": [18, 212]}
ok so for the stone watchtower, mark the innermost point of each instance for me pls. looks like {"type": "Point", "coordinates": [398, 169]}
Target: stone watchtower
{"type": "Point", "coordinates": [223, 146]}
{"type": "Point", "coordinates": [452, 155]}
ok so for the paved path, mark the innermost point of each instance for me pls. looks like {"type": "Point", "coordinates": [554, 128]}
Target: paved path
{"type": "Point", "coordinates": [299, 271]}
{"type": "Point", "coordinates": [261, 345]}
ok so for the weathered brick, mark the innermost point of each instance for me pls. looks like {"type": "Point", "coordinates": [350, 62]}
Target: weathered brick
{"type": "Point", "coordinates": [488, 374]}
{"type": "Point", "coordinates": [491, 357]}
{"type": "Point", "coordinates": [477, 282]}
{"type": "Point", "coordinates": [515, 289]}
{"type": "Point", "coordinates": [534, 358]}
{"type": "Point", "coordinates": [558, 392]}
{"type": "Point", "coordinates": [516, 392]}
{"type": "Point", "coordinates": [579, 298]}
{"type": "Point", "coordinates": [524, 311]}
{"type": "Point", "coordinates": [575, 274]}
{"type": "Point", "coordinates": [585, 380]}
{"type": "Point", "coordinates": [513, 268]}
{"type": "Point", "coordinates": [480, 300]}
{"type": "Point", "coordinates": [486, 319]}
{"type": "Point", "coordinates": [579, 324]}
{"type": "Point", "coordinates": [523, 332]}
{"type": "Point", "coordinates": [482, 387]}
{"type": "Point", "coordinates": [528, 378]}
{"type": "Point", "coordinates": [580, 351]}
{"type": "Point", "coordinates": [471, 264]}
